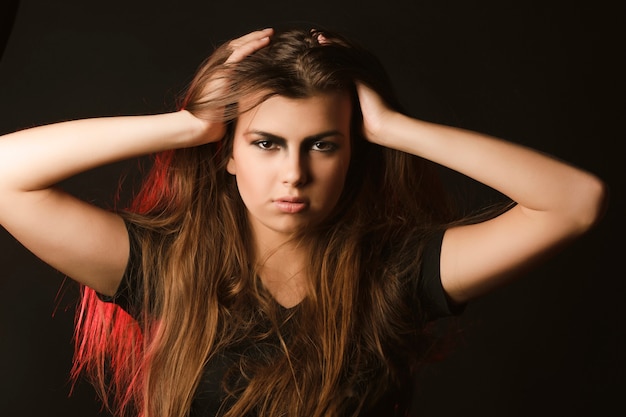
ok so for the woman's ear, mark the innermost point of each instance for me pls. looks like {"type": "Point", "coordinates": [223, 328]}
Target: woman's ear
{"type": "Point", "coordinates": [230, 166]}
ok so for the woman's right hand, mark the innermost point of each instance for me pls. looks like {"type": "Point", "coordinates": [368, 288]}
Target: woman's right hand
{"type": "Point", "coordinates": [209, 122]}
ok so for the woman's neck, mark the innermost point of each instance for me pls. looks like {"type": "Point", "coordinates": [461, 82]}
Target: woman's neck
{"type": "Point", "coordinates": [282, 271]}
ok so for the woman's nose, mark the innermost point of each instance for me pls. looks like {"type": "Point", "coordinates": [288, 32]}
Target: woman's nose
{"type": "Point", "coordinates": [296, 170]}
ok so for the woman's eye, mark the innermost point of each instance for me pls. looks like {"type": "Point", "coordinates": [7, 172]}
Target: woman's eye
{"type": "Point", "coordinates": [265, 144]}
{"type": "Point", "coordinates": [324, 146]}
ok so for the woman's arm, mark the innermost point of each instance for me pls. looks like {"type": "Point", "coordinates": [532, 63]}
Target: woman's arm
{"type": "Point", "coordinates": [85, 242]}
{"type": "Point", "coordinates": [556, 202]}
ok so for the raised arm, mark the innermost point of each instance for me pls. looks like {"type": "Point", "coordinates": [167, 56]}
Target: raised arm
{"type": "Point", "coordinates": [85, 242]}
{"type": "Point", "coordinates": [556, 202]}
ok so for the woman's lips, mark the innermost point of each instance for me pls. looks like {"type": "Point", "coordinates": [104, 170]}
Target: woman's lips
{"type": "Point", "coordinates": [290, 204]}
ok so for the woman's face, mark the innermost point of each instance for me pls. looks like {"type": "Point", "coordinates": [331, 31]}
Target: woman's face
{"type": "Point", "coordinates": [290, 159]}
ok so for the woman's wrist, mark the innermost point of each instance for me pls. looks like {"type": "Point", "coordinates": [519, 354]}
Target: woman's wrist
{"type": "Point", "coordinates": [385, 129]}
{"type": "Point", "coordinates": [199, 131]}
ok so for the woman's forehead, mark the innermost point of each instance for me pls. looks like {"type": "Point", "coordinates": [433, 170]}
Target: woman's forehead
{"type": "Point", "coordinates": [330, 111]}
{"type": "Point", "coordinates": [257, 99]}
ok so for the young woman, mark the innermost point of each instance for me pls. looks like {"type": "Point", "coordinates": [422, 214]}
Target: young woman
{"type": "Point", "coordinates": [291, 243]}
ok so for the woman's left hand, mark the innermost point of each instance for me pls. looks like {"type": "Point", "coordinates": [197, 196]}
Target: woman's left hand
{"type": "Point", "coordinates": [376, 113]}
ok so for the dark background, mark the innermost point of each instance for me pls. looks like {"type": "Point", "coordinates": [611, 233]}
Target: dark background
{"type": "Point", "coordinates": [545, 74]}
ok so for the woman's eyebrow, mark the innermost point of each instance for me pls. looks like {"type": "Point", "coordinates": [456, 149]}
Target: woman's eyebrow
{"type": "Point", "coordinates": [270, 136]}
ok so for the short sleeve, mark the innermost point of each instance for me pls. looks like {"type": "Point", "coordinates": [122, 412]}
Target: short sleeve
{"type": "Point", "coordinates": [429, 289]}
{"type": "Point", "coordinates": [128, 294]}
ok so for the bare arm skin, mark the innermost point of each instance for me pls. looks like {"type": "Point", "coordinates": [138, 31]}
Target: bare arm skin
{"type": "Point", "coordinates": [556, 202]}
{"type": "Point", "coordinates": [87, 243]}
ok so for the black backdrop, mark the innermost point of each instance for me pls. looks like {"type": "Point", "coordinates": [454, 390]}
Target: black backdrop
{"type": "Point", "coordinates": [545, 74]}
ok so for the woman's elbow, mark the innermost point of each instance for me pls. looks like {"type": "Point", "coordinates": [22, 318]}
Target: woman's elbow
{"type": "Point", "coordinates": [591, 202]}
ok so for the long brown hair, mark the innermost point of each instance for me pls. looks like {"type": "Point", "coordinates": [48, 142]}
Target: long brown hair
{"type": "Point", "coordinates": [354, 334]}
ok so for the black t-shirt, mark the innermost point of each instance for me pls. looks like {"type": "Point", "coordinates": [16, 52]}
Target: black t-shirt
{"type": "Point", "coordinates": [426, 289]}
